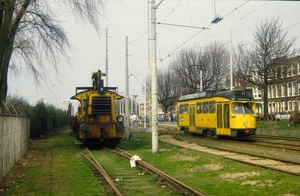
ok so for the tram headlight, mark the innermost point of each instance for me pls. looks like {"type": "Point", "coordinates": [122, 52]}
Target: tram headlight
{"type": "Point", "coordinates": [120, 119]}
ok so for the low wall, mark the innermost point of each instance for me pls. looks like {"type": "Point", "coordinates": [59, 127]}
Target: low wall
{"type": "Point", "coordinates": [278, 132]}
{"type": "Point", "coordinates": [14, 135]}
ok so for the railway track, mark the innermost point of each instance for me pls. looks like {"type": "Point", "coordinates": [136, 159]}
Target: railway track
{"type": "Point", "coordinates": [144, 179]}
{"type": "Point", "coordinates": [292, 144]}
{"type": "Point", "coordinates": [266, 158]}
{"type": "Point", "coordinates": [286, 143]}
{"type": "Point", "coordinates": [287, 166]}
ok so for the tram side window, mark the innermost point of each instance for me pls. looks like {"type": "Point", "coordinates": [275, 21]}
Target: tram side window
{"type": "Point", "coordinates": [212, 107]}
{"type": "Point", "coordinates": [205, 107]}
{"type": "Point", "coordinates": [199, 108]}
{"type": "Point", "coordinates": [184, 109]}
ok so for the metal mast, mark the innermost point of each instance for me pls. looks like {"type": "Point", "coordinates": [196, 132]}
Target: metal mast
{"type": "Point", "coordinates": [106, 59]}
{"type": "Point", "coordinates": [154, 123]}
{"type": "Point", "coordinates": [127, 115]}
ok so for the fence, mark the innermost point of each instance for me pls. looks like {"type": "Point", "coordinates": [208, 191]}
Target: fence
{"type": "Point", "coordinates": [14, 136]}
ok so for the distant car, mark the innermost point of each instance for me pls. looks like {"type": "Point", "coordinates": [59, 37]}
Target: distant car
{"type": "Point", "coordinates": [272, 116]}
{"type": "Point", "coordinates": [161, 118]}
{"type": "Point", "coordinates": [143, 119]}
{"type": "Point", "coordinates": [285, 115]}
{"type": "Point", "coordinates": [259, 116]}
{"type": "Point", "coordinates": [174, 117]}
{"type": "Point", "coordinates": [295, 117]}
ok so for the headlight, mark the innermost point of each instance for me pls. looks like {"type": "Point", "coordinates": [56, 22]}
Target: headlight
{"type": "Point", "coordinates": [120, 119]}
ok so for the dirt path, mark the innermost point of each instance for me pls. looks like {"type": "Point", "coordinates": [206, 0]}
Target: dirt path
{"type": "Point", "coordinates": [262, 162]}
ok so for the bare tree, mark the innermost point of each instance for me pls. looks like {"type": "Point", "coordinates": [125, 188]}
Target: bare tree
{"type": "Point", "coordinates": [218, 67]}
{"type": "Point", "coordinates": [258, 64]}
{"type": "Point", "coordinates": [167, 95]}
{"type": "Point", "coordinates": [209, 65]}
{"type": "Point", "coordinates": [31, 35]}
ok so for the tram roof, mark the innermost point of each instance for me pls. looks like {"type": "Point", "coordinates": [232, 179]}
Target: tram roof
{"type": "Point", "coordinates": [202, 94]}
{"type": "Point", "coordinates": [235, 95]}
{"type": "Point", "coordinates": [229, 94]}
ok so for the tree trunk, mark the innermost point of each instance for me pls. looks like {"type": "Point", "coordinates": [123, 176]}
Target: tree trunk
{"type": "Point", "coordinates": [8, 28]}
{"type": "Point", "coordinates": [265, 87]}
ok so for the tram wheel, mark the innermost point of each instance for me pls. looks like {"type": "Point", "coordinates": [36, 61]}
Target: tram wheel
{"type": "Point", "coordinates": [185, 131]}
{"type": "Point", "coordinates": [210, 133]}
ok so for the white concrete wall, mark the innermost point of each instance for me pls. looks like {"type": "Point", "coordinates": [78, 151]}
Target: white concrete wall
{"type": "Point", "coordinates": [14, 136]}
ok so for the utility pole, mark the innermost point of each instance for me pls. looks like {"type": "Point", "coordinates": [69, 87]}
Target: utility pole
{"type": "Point", "coordinates": [145, 102]}
{"type": "Point", "coordinates": [154, 123]}
{"type": "Point", "coordinates": [127, 115]}
{"type": "Point", "coordinates": [200, 77]}
{"type": "Point", "coordinates": [135, 96]}
{"type": "Point", "coordinates": [106, 59]}
{"type": "Point", "coordinates": [231, 48]}
{"type": "Point", "coordinates": [200, 87]}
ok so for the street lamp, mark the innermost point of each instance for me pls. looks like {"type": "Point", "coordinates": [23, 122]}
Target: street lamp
{"type": "Point", "coordinates": [120, 105]}
{"type": "Point", "coordinates": [135, 96]}
{"type": "Point", "coordinates": [145, 100]}
{"type": "Point", "coordinates": [200, 76]}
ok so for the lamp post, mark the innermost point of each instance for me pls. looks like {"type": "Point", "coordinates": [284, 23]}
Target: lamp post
{"type": "Point", "coordinates": [200, 76]}
{"type": "Point", "coordinates": [127, 114]}
{"type": "Point", "coordinates": [135, 96]}
{"type": "Point", "coordinates": [154, 123]}
{"type": "Point", "coordinates": [120, 105]}
{"type": "Point", "coordinates": [145, 99]}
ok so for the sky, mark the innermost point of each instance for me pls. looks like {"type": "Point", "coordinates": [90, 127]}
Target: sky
{"type": "Point", "coordinates": [182, 24]}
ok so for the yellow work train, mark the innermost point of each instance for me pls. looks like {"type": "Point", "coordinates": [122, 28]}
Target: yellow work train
{"type": "Point", "coordinates": [213, 114]}
{"type": "Point", "coordinates": [96, 121]}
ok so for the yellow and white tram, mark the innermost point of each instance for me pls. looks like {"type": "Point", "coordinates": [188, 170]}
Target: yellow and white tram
{"type": "Point", "coordinates": [223, 113]}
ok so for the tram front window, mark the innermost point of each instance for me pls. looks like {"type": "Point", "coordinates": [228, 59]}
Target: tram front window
{"type": "Point", "coordinates": [242, 108]}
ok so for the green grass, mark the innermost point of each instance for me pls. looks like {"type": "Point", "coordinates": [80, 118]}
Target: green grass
{"type": "Point", "coordinates": [210, 174]}
{"type": "Point", "coordinates": [284, 125]}
{"type": "Point", "coordinates": [60, 170]}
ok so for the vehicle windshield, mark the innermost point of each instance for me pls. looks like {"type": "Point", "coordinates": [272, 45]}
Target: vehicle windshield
{"type": "Point", "coordinates": [242, 108]}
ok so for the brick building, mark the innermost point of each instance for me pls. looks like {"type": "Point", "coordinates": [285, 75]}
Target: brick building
{"type": "Point", "coordinates": [283, 93]}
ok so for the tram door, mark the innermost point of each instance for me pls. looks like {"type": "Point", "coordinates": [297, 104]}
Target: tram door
{"type": "Point", "coordinates": [223, 119]}
{"type": "Point", "coordinates": [192, 118]}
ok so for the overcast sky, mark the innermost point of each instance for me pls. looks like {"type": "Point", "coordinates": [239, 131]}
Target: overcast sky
{"type": "Point", "coordinates": [130, 18]}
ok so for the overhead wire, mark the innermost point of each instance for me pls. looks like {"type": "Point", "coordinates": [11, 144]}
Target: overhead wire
{"type": "Point", "coordinates": [170, 33]}
{"type": "Point", "coordinates": [193, 36]}
{"type": "Point", "coordinates": [254, 10]}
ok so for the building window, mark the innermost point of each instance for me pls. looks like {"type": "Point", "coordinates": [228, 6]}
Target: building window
{"type": "Point", "coordinates": [293, 69]}
{"type": "Point", "coordinates": [283, 71]}
{"type": "Point", "coordinates": [289, 88]}
{"type": "Point", "coordinates": [290, 105]}
{"type": "Point", "coordinates": [283, 90]}
{"type": "Point", "coordinates": [283, 106]}
{"type": "Point", "coordinates": [294, 106]}
{"type": "Point", "coordinates": [289, 70]}
{"type": "Point", "coordinates": [294, 88]}
{"type": "Point", "coordinates": [277, 107]}
{"type": "Point", "coordinates": [277, 90]}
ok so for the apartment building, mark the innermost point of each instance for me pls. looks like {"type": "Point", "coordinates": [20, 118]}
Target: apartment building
{"type": "Point", "coordinates": [283, 93]}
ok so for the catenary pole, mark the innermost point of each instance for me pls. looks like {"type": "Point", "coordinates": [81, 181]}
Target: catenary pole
{"type": "Point", "coordinates": [127, 115]}
{"type": "Point", "coordinates": [106, 59]}
{"type": "Point", "coordinates": [154, 123]}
